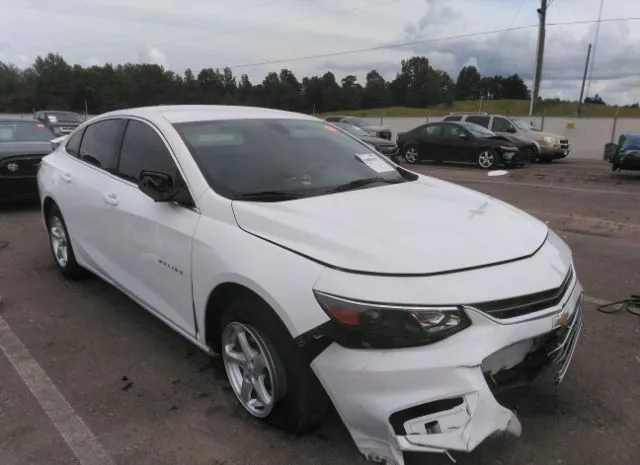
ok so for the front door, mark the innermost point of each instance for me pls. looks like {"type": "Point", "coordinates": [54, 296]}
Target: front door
{"type": "Point", "coordinates": [153, 242]}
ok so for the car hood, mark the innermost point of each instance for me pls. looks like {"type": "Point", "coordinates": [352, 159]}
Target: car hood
{"type": "Point", "coordinates": [376, 128]}
{"type": "Point", "coordinates": [376, 140]}
{"type": "Point", "coordinates": [11, 149]}
{"type": "Point", "coordinates": [420, 227]}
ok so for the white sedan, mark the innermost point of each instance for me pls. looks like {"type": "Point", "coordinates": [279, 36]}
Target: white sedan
{"type": "Point", "coordinates": [320, 271]}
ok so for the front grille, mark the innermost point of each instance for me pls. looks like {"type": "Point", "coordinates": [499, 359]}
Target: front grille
{"type": "Point", "coordinates": [523, 305]}
{"type": "Point", "coordinates": [564, 144]}
{"type": "Point", "coordinates": [27, 165]}
{"type": "Point", "coordinates": [384, 134]}
{"type": "Point", "coordinates": [388, 149]}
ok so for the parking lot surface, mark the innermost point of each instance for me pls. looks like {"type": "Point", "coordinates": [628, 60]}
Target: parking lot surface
{"type": "Point", "coordinates": [142, 395]}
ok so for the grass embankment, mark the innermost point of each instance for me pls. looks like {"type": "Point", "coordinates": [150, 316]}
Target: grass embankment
{"type": "Point", "coordinates": [511, 107]}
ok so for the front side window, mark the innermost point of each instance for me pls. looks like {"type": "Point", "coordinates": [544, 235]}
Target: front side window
{"type": "Point", "coordinates": [452, 131]}
{"type": "Point", "coordinates": [24, 131]}
{"type": "Point", "coordinates": [501, 125]}
{"type": "Point", "coordinates": [143, 149]}
{"type": "Point", "coordinates": [100, 142]}
{"type": "Point", "coordinates": [249, 156]}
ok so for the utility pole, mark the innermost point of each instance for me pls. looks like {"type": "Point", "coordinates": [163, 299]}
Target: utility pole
{"type": "Point", "coordinates": [542, 18]}
{"type": "Point", "coordinates": [595, 46]}
{"type": "Point", "coordinates": [584, 79]}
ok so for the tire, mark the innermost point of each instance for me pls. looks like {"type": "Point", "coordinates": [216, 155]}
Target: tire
{"type": "Point", "coordinates": [487, 159]}
{"type": "Point", "coordinates": [61, 248]}
{"type": "Point", "coordinates": [410, 153]}
{"type": "Point", "coordinates": [298, 400]}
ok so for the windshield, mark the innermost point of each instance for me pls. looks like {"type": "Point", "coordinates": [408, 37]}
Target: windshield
{"type": "Point", "coordinates": [64, 117]}
{"type": "Point", "coordinates": [302, 157]}
{"type": "Point", "coordinates": [358, 122]}
{"type": "Point", "coordinates": [355, 130]}
{"type": "Point", "coordinates": [479, 131]}
{"type": "Point", "coordinates": [24, 131]}
{"type": "Point", "coordinates": [524, 125]}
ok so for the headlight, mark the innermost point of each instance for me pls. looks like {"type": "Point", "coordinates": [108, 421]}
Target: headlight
{"type": "Point", "coordinates": [369, 325]}
{"type": "Point", "coordinates": [550, 140]}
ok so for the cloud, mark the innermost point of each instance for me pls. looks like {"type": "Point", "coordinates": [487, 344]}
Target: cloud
{"type": "Point", "coordinates": [153, 55]}
{"type": "Point", "coordinates": [219, 33]}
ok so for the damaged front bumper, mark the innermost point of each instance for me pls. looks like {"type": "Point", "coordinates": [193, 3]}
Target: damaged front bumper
{"type": "Point", "coordinates": [440, 398]}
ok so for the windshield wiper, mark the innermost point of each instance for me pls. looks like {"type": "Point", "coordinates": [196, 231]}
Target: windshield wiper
{"type": "Point", "coordinates": [365, 182]}
{"type": "Point", "coordinates": [273, 195]}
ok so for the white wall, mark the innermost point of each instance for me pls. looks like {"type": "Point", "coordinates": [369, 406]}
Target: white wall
{"type": "Point", "coordinates": [587, 137]}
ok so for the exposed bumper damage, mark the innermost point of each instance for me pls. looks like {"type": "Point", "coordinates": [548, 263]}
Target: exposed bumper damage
{"type": "Point", "coordinates": [440, 398]}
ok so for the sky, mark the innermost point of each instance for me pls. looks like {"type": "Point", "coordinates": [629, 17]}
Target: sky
{"type": "Point", "coordinates": [243, 34]}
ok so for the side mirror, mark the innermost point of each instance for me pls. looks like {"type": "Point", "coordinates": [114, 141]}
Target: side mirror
{"type": "Point", "coordinates": [159, 186]}
{"type": "Point", "coordinates": [463, 137]}
{"type": "Point", "coordinates": [512, 130]}
{"type": "Point", "coordinates": [55, 143]}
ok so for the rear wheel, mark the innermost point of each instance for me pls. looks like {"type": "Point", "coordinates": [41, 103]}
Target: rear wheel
{"type": "Point", "coordinates": [61, 246]}
{"type": "Point", "coordinates": [411, 154]}
{"type": "Point", "coordinates": [266, 370]}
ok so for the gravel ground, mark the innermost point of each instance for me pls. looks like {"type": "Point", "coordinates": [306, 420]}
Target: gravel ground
{"type": "Point", "coordinates": [149, 397]}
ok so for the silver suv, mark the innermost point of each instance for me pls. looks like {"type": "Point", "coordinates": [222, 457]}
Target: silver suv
{"type": "Point", "coordinates": [548, 146]}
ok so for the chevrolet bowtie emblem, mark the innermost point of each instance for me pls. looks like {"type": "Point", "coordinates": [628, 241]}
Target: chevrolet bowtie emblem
{"type": "Point", "coordinates": [562, 320]}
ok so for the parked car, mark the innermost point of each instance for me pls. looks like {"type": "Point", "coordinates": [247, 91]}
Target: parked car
{"type": "Point", "coordinates": [23, 142]}
{"type": "Point", "coordinates": [625, 155]}
{"type": "Point", "coordinates": [320, 271]}
{"type": "Point", "coordinates": [384, 146]}
{"type": "Point", "coordinates": [382, 132]}
{"type": "Point", "coordinates": [59, 122]}
{"type": "Point", "coordinates": [548, 146]}
{"type": "Point", "coordinates": [461, 142]}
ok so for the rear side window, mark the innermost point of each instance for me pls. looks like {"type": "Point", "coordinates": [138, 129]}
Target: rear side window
{"type": "Point", "coordinates": [453, 118]}
{"type": "Point", "coordinates": [73, 145]}
{"type": "Point", "coordinates": [481, 120]}
{"type": "Point", "coordinates": [100, 143]}
{"type": "Point", "coordinates": [143, 149]}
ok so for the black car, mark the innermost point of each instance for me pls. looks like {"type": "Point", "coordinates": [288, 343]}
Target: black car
{"type": "Point", "coordinates": [625, 155]}
{"type": "Point", "coordinates": [59, 122]}
{"type": "Point", "coordinates": [382, 132]}
{"type": "Point", "coordinates": [23, 142]}
{"type": "Point", "coordinates": [463, 142]}
{"type": "Point", "coordinates": [384, 146]}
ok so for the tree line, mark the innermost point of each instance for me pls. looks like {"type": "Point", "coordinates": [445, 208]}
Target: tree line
{"type": "Point", "coordinates": [52, 83]}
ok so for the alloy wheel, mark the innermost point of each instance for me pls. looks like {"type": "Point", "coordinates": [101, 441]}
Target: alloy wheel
{"type": "Point", "coordinates": [486, 159]}
{"type": "Point", "coordinates": [250, 368]}
{"type": "Point", "coordinates": [411, 155]}
{"type": "Point", "coordinates": [59, 241]}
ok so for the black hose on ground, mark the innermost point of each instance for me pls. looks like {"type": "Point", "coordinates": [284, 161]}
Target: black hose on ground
{"type": "Point", "coordinates": [631, 305]}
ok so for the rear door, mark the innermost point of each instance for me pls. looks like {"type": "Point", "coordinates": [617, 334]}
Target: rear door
{"type": "Point", "coordinates": [152, 241]}
{"type": "Point", "coordinates": [431, 142]}
{"type": "Point", "coordinates": [85, 175]}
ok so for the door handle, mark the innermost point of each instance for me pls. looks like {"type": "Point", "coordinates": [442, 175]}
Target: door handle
{"type": "Point", "coordinates": [66, 177]}
{"type": "Point", "coordinates": [110, 199]}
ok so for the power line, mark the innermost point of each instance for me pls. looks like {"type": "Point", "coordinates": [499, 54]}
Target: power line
{"type": "Point", "coordinates": [423, 41]}
{"type": "Point", "coordinates": [513, 22]}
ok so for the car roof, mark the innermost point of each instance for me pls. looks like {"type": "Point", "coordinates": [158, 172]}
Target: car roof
{"type": "Point", "coordinates": [194, 113]}
{"type": "Point", "coordinates": [17, 119]}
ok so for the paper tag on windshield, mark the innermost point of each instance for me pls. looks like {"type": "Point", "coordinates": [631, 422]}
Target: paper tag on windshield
{"type": "Point", "coordinates": [375, 163]}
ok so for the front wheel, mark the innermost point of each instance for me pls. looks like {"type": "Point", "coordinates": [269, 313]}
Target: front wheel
{"type": "Point", "coordinates": [487, 159]}
{"type": "Point", "coordinates": [411, 154]}
{"type": "Point", "coordinates": [266, 370]}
